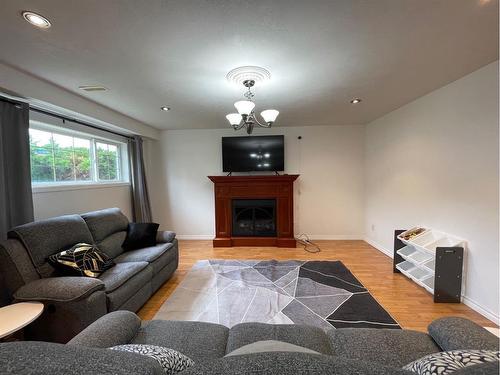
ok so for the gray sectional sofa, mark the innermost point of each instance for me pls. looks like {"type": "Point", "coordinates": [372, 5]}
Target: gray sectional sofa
{"type": "Point", "coordinates": [359, 351]}
{"type": "Point", "coordinates": [74, 302]}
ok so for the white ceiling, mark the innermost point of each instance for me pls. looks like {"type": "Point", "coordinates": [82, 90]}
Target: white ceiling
{"type": "Point", "coordinates": [320, 53]}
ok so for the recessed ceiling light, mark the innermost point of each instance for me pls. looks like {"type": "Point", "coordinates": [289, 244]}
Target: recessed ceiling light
{"type": "Point", "coordinates": [165, 109]}
{"type": "Point", "coordinates": [91, 88]}
{"type": "Point", "coordinates": [355, 101]}
{"type": "Point", "coordinates": [36, 20]}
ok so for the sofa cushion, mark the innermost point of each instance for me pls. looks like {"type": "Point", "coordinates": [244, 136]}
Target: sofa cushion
{"type": "Point", "coordinates": [453, 333]}
{"type": "Point", "coordinates": [140, 235]}
{"type": "Point", "coordinates": [126, 281]}
{"type": "Point", "coordinates": [120, 274]}
{"type": "Point", "coordinates": [267, 346]}
{"type": "Point", "coordinates": [488, 368]}
{"type": "Point", "coordinates": [159, 256]}
{"type": "Point", "coordinates": [198, 340]}
{"type": "Point", "coordinates": [378, 345]}
{"type": "Point", "coordinates": [112, 245]}
{"type": "Point", "coordinates": [104, 223]}
{"type": "Point", "coordinates": [44, 358]}
{"type": "Point", "coordinates": [46, 237]}
{"type": "Point", "coordinates": [313, 338]}
{"type": "Point", "coordinates": [282, 363]}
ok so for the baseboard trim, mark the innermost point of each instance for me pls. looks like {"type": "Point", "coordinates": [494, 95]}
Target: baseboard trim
{"type": "Point", "coordinates": [481, 310]}
{"type": "Point", "coordinates": [319, 237]}
{"type": "Point", "coordinates": [334, 237]}
{"type": "Point", "coordinates": [465, 300]}
{"type": "Point", "coordinates": [379, 247]}
{"type": "Point", "coordinates": [195, 236]}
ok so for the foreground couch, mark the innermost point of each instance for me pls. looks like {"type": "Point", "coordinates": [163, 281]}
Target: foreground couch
{"type": "Point", "coordinates": [342, 351]}
{"type": "Point", "coordinates": [73, 302]}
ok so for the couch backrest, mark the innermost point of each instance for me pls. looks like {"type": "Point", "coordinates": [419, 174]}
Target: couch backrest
{"type": "Point", "coordinates": [46, 237]}
{"type": "Point", "coordinates": [285, 363]}
{"type": "Point", "coordinates": [108, 228]}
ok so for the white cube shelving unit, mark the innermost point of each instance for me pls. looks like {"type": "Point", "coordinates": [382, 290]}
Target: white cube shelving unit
{"type": "Point", "coordinates": [432, 259]}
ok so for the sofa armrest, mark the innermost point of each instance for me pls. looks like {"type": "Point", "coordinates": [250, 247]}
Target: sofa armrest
{"type": "Point", "coordinates": [454, 333]}
{"type": "Point", "coordinates": [165, 236]}
{"type": "Point", "coordinates": [59, 289]}
{"type": "Point", "coordinates": [116, 328]}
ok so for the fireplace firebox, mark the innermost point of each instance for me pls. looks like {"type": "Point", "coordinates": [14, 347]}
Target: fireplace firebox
{"type": "Point", "coordinates": [254, 217]}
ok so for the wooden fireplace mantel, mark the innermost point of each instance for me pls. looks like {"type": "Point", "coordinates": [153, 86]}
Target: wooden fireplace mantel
{"type": "Point", "coordinates": [227, 188]}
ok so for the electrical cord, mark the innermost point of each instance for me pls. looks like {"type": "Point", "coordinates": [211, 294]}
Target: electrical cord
{"type": "Point", "coordinates": [309, 246]}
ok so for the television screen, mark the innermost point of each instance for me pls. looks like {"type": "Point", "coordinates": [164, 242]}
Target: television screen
{"type": "Point", "coordinates": [255, 153]}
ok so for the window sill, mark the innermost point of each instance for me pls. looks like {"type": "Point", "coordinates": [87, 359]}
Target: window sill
{"type": "Point", "coordinates": [46, 188]}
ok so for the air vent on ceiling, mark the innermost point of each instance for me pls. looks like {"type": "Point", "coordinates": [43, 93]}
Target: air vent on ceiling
{"type": "Point", "coordinates": [92, 88]}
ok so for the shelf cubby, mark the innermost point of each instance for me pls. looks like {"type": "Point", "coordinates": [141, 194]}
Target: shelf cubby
{"type": "Point", "coordinates": [430, 264]}
{"type": "Point", "coordinates": [405, 266]}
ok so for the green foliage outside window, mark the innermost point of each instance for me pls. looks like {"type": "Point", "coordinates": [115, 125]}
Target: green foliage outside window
{"type": "Point", "coordinates": [107, 161]}
{"type": "Point", "coordinates": [61, 158]}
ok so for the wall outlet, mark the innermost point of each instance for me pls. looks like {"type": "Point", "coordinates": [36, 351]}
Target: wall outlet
{"type": "Point", "coordinates": [373, 227]}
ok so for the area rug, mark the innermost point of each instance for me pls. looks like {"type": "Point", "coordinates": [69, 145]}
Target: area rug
{"type": "Point", "coordinates": [320, 293]}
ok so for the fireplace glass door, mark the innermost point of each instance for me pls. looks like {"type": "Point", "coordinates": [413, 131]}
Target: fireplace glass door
{"type": "Point", "coordinates": [254, 218]}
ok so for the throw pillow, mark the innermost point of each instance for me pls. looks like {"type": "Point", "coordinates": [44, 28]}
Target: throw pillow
{"type": "Point", "coordinates": [444, 363]}
{"type": "Point", "coordinates": [83, 259]}
{"type": "Point", "coordinates": [140, 235]}
{"type": "Point", "coordinates": [170, 360]}
{"type": "Point", "coordinates": [269, 346]}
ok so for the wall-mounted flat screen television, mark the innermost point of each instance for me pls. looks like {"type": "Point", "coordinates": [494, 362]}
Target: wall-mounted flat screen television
{"type": "Point", "coordinates": [253, 154]}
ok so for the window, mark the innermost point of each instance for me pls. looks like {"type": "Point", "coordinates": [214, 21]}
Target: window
{"type": "Point", "coordinates": [108, 161]}
{"type": "Point", "coordinates": [66, 157]}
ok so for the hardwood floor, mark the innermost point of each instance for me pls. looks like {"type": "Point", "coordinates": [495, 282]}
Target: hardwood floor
{"type": "Point", "coordinates": [408, 303]}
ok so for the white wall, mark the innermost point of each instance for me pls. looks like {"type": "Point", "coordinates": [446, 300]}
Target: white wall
{"type": "Point", "coordinates": [76, 201]}
{"type": "Point", "coordinates": [44, 94]}
{"type": "Point", "coordinates": [329, 192]}
{"type": "Point", "coordinates": [434, 162]}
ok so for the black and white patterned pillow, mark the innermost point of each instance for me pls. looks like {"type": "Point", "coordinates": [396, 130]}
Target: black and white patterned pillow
{"type": "Point", "coordinates": [84, 259]}
{"type": "Point", "coordinates": [170, 360]}
{"type": "Point", "coordinates": [444, 363]}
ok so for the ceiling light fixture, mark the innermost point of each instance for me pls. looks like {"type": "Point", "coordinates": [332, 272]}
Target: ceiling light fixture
{"type": "Point", "coordinates": [355, 101]}
{"type": "Point", "coordinates": [246, 116]}
{"type": "Point", "coordinates": [243, 73]}
{"type": "Point", "coordinates": [165, 108]}
{"type": "Point", "coordinates": [36, 20]}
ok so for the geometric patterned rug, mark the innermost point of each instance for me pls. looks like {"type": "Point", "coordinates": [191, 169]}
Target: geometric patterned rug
{"type": "Point", "coordinates": [319, 293]}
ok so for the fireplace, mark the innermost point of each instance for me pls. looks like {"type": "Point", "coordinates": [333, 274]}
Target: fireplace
{"type": "Point", "coordinates": [254, 210]}
{"type": "Point", "coordinates": [254, 218]}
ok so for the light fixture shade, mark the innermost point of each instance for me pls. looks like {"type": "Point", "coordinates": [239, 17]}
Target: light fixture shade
{"type": "Point", "coordinates": [269, 115]}
{"type": "Point", "coordinates": [244, 107]}
{"type": "Point", "coordinates": [234, 118]}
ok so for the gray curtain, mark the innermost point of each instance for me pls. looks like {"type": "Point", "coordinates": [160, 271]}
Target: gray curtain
{"type": "Point", "coordinates": [140, 196]}
{"type": "Point", "coordinates": [16, 201]}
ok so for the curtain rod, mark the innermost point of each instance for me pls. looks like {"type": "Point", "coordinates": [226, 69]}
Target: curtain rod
{"type": "Point", "coordinates": [12, 101]}
{"type": "Point", "coordinates": [65, 118]}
